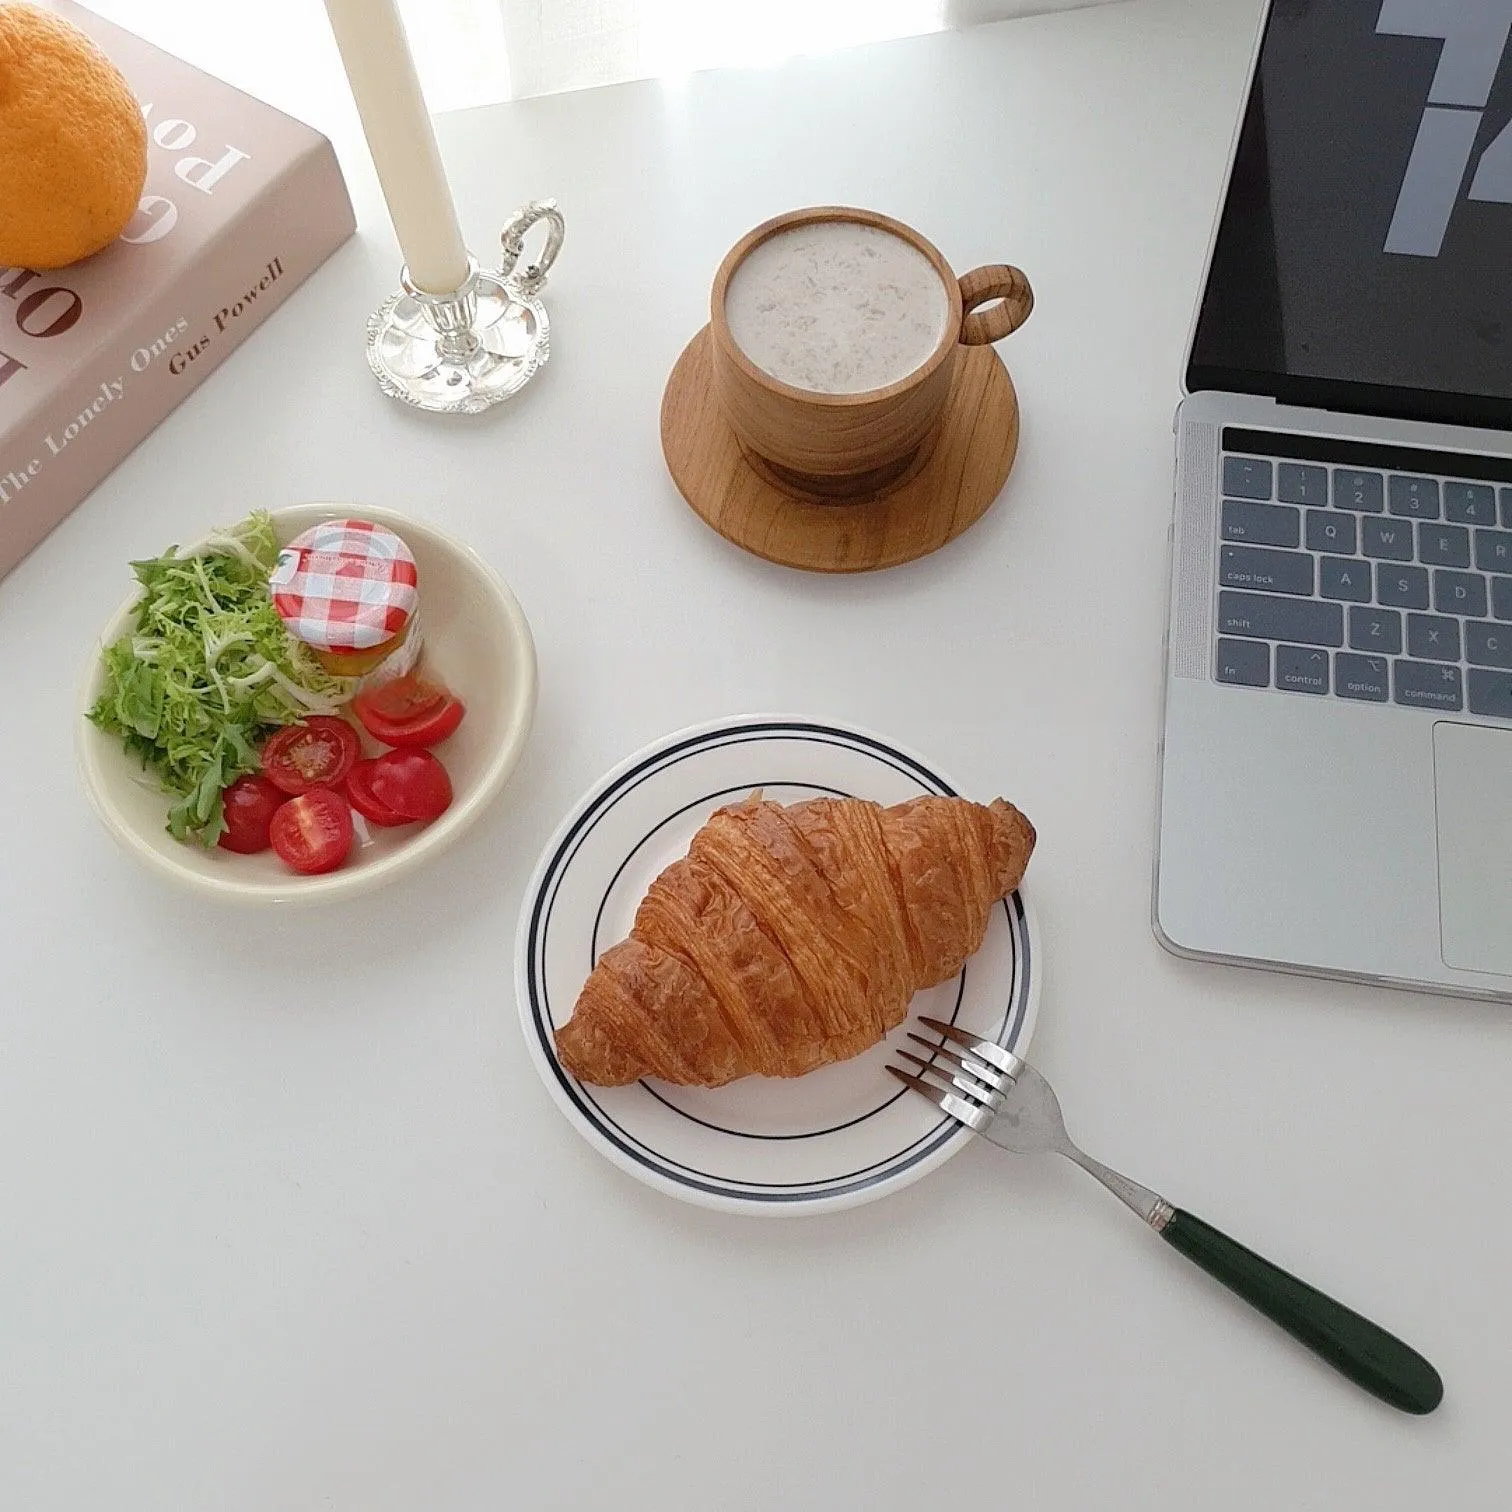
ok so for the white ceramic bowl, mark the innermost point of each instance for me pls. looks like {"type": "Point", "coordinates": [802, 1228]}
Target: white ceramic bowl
{"type": "Point", "coordinates": [476, 642]}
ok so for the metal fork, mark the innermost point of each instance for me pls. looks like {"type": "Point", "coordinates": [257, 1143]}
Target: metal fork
{"type": "Point", "coordinates": [1006, 1100]}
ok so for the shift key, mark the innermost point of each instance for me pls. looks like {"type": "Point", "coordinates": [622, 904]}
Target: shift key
{"type": "Point", "coordinates": [1261, 616]}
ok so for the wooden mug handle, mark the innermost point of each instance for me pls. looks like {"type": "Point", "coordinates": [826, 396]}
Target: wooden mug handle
{"type": "Point", "coordinates": [981, 286]}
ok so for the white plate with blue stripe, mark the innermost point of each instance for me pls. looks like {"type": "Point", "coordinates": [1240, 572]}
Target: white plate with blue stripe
{"type": "Point", "coordinates": [840, 1136]}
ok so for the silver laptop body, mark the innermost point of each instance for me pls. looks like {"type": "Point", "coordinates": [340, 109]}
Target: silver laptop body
{"type": "Point", "coordinates": [1336, 761]}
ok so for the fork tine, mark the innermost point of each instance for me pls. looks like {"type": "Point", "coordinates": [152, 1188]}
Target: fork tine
{"type": "Point", "coordinates": [1004, 1060]}
{"type": "Point", "coordinates": [957, 1107]}
{"type": "Point", "coordinates": [999, 1080]}
{"type": "Point", "coordinates": [965, 1083]}
{"type": "Point", "coordinates": [919, 1085]}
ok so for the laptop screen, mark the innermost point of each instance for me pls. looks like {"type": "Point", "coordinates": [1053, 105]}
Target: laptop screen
{"type": "Point", "coordinates": [1364, 255]}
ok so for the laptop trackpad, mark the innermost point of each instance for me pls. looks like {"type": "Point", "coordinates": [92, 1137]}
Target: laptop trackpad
{"type": "Point", "coordinates": [1472, 768]}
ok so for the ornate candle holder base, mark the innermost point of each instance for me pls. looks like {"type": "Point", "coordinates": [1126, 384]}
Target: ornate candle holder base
{"type": "Point", "coordinates": [458, 353]}
{"type": "Point", "coordinates": [462, 352]}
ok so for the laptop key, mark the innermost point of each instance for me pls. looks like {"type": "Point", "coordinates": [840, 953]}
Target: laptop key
{"type": "Point", "coordinates": [1493, 550]}
{"type": "Point", "coordinates": [1402, 587]}
{"type": "Point", "coordinates": [1430, 638]}
{"type": "Point", "coordinates": [1302, 669]}
{"type": "Point", "coordinates": [1364, 491]}
{"type": "Point", "coordinates": [1428, 685]}
{"type": "Point", "coordinates": [1349, 578]}
{"type": "Point", "coordinates": [1490, 693]}
{"type": "Point", "coordinates": [1300, 484]}
{"type": "Point", "coordinates": [1378, 630]}
{"type": "Point", "coordinates": [1506, 507]}
{"type": "Point", "coordinates": [1461, 593]}
{"type": "Point", "coordinates": [1328, 530]}
{"type": "Point", "coordinates": [1262, 524]}
{"type": "Point", "coordinates": [1444, 545]}
{"type": "Point", "coordinates": [1246, 663]}
{"type": "Point", "coordinates": [1415, 497]}
{"type": "Point", "coordinates": [1246, 478]}
{"type": "Point", "coordinates": [1501, 598]}
{"type": "Point", "coordinates": [1488, 645]}
{"type": "Point", "coordinates": [1273, 571]}
{"type": "Point", "coordinates": [1388, 540]}
{"type": "Point", "coordinates": [1306, 622]}
{"type": "Point", "coordinates": [1469, 503]}
{"type": "Point", "coordinates": [1363, 677]}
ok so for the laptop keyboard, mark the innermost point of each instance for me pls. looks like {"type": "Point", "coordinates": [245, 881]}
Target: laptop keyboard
{"type": "Point", "coordinates": [1367, 583]}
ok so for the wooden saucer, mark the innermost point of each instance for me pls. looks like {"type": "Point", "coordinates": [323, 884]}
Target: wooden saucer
{"type": "Point", "coordinates": [933, 504]}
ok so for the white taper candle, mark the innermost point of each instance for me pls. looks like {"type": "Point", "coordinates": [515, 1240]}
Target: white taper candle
{"type": "Point", "coordinates": [376, 54]}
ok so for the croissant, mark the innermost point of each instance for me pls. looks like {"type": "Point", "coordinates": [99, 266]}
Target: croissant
{"type": "Point", "coordinates": [790, 937]}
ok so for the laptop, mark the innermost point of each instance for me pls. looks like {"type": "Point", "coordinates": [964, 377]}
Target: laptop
{"type": "Point", "coordinates": [1336, 764]}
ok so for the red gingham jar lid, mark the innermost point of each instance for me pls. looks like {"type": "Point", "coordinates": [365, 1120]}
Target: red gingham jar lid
{"type": "Point", "coordinates": [346, 585]}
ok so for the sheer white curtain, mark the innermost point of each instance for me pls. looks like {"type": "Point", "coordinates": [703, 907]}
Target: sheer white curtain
{"type": "Point", "coordinates": [540, 46]}
{"type": "Point", "coordinates": [474, 52]}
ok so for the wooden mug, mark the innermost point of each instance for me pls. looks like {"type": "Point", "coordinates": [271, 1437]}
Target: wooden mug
{"type": "Point", "coordinates": [838, 446]}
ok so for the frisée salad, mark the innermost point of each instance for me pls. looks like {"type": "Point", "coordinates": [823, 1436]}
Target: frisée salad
{"type": "Point", "coordinates": [233, 692]}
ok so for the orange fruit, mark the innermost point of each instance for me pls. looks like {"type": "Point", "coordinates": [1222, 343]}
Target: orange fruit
{"type": "Point", "coordinates": [73, 144]}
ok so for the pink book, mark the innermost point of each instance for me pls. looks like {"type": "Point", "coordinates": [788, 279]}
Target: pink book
{"type": "Point", "coordinates": [241, 205]}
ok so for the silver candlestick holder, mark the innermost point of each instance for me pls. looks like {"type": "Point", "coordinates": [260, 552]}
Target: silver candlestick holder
{"type": "Point", "coordinates": [462, 352]}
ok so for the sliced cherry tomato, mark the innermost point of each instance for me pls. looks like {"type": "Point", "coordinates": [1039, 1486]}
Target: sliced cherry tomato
{"type": "Point", "coordinates": [409, 712]}
{"type": "Point", "coordinates": [400, 699]}
{"type": "Point", "coordinates": [317, 753]}
{"type": "Point", "coordinates": [249, 803]}
{"type": "Point", "coordinates": [359, 791]}
{"type": "Point", "coordinates": [430, 729]}
{"type": "Point", "coordinates": [313, 832]}
{"type": "Point", "coordinates": [412, 783]}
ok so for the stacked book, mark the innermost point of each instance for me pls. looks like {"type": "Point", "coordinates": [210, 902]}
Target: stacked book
{"type": "Point", "coordinates": [241, 205]}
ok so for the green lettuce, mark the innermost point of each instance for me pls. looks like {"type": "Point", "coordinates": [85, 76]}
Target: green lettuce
{"type": "Point", "coordinates": [209, 672]}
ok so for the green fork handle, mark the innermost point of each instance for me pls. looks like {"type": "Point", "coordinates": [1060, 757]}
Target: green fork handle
{"type": "Point", "coordinates": [1357, 1348]}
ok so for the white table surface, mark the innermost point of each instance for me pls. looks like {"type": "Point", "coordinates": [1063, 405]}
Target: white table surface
{"type": "Point", "coordinates": [290, 1222]}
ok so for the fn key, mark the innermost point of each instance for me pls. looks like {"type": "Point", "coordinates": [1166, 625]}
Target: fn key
{"type": "Point", "coordinates": [1246, 663]}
